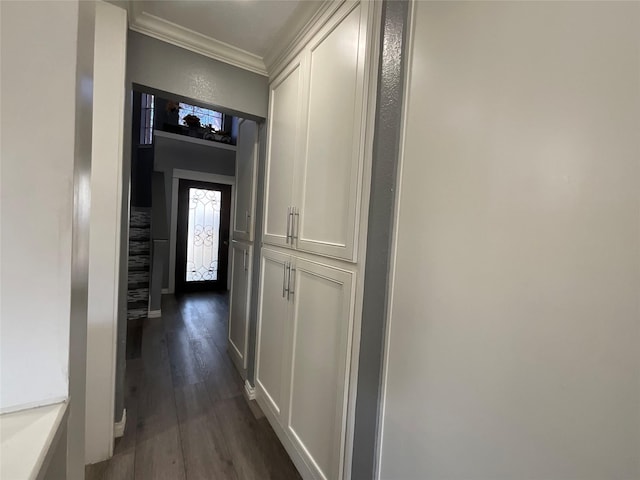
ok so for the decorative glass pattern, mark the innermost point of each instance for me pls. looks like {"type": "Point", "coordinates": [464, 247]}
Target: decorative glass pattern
{"type": "Point", "coordinates": [206, 116]}
{"type": "Point", "coordinates": [203, 234]}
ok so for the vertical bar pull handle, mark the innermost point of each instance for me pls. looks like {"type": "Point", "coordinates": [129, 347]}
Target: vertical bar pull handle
{"type": "Point", "coordinates": [247, 217]}
{"type": "Point", "coordinates": [292, 280]}
{"type": "Point", "coordinates": [284, 280]}
{"type": "Point", "coordinates": [288, 280]}
{"type": "Point", "coordinates": [288, 222]}
{"type": "Point", "coordinates": [244, 260]}
{"type": "Point", "coordinates": [295, 224]}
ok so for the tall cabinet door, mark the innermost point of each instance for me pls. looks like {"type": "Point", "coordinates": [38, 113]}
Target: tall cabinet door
{"type": "Point", "coordinates": [283, 148]}
{"type": "Point", "coordinates": [273, 348]}
{"type": "Point", "coordinates": [322, 303]}
{"type": "Point", "coordinates": [246, 157]}
{"type": "Point", "coordinates": [333, 163]}
{"type": "Point", "coordinates": [239, 303]}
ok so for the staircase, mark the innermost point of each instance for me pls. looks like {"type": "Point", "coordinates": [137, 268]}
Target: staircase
{"type": "Point", "coordinates": [139, 260]}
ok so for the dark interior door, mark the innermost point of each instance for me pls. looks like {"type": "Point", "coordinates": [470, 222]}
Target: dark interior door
{"type": "Point", "coordinates": [202, 247]}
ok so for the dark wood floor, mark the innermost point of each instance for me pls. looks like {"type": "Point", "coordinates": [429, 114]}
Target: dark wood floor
{"type": "Point", "coordinates": [186, 414]}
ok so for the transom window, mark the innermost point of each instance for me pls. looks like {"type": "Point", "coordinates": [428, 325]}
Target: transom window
{"type": "Point", "coordinates": [206, 116]}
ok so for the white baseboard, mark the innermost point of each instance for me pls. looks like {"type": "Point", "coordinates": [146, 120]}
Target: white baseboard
{"type": "Point", "coordinates": [165, 291]}
{"type": "Point", "coordinates": [154, 314]}
{"type": "Point", "coordinates": [118, 429]}
{"type": "Point", "coordinates": [249, 391]}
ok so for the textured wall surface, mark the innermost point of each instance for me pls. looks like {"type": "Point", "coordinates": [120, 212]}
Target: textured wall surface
{"type": "Point", "coordinates": [381, 206]}
{"type": "Point", "coordinates": [190, 76]}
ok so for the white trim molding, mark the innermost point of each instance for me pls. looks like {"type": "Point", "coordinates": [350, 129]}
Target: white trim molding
{"type": "Point", "coordinates": [154, 314]}
{"type": "Point", "coordinates": [156, 27]}
{"type": "Point", "coordinates": [287, 47]}
{"type": "Point", "coordinates": [291, 37]}
{"type": "Point", "coordinates": [118, 427]}
{"type": "Point", "coordinates": [249, 391]}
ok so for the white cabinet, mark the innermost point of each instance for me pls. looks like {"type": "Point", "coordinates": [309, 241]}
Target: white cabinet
{"type": "Point", "coordinates": [304, 333]}
{"type": "Point", "coordinates": [283, 148]}
{"type": "Point", "coordinates": [273, 328]}
{"type": "Point", "coordinates": [246, 158]}
{"type": "Point", "coordinates": [239, 303]}
{"type": "Point", "coordinates": [315, 161]}
{"type": "Point", "coordinates": [321, 321]}
{"type": "Point", "coordinates": [333, 159]}
{"type": "Point", "coordinates": [315, 166]}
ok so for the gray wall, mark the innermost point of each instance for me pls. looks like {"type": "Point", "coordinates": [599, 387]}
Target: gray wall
{"type": "Point", "coordinates": [159, 240]}
{"type": "Point", "coordinates": [383, 180]}
{"type": "Point", "coordinates": [173, 154]}
{"type": "Point", "coordinates": [189, 76]}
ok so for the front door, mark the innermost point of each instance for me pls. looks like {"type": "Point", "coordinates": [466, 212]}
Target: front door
{"type": "Point", "coordinates": [202, 247]}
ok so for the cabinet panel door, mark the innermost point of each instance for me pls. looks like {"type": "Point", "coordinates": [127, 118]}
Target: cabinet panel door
{"type": "Point", "coordinates": [283, 148]}
{"type": "Point", "coordinates": [245, 180]}
{"type": "Point", "coordinates": [273, 348]}
{"type": "Point", "coordinates": [239, 303]}
{"type": "Point", "coordinates": [319, 367]}
{"type": "Point", "coordinates": [333, 167]}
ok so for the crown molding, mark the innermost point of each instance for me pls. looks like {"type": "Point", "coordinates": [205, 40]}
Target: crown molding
{"type": "Point", "coordinates": [287, 47]}
{"type": "Point", "coordinates": [161, 29]}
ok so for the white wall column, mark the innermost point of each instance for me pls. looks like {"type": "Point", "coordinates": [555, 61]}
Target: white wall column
{"type": "Point", "coordinates": [106, 198]}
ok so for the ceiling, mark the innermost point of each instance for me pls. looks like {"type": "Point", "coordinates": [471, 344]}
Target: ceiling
{"type": "Point", "coordinates": [241, 32]}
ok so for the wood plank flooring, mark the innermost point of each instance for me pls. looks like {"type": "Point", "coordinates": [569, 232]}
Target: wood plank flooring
{"type": "Point", "coordinates": [187, 418]}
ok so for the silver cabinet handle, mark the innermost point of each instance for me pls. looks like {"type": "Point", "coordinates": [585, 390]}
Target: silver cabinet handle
{"type": "Point", "coordinates": [244, 260]}
{"type": "Point", "coordinates": [295, 224]}
{"type": "Point", "coordinates": [292, 275]}
{"type": "Point", "coordinates": [288, 222]}
{"type": "Point", "coordinates": [247, 217]}
{"type": "Point", "coordinates": [284, 280]}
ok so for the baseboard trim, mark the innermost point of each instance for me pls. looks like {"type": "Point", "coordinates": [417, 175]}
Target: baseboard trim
{"type": "Point", "coordinates": [154, 314]}
{"type": "Point", "coordinates": [249, 391]}
{"type": "Point", "coordinates": [165, 291]}
{"type": "Point", "coordinates": [118, 428]}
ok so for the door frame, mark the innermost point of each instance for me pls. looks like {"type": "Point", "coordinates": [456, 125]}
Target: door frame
{"type": "Point", "coordinates": [176, 176]}
{"type": "Point", "coordinates": [182, 237]}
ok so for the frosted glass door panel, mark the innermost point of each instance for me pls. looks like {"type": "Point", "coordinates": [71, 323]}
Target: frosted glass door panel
{"type": "Point", "coordinates": [203, 234]}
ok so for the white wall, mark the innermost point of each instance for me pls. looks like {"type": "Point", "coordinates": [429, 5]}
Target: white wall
{"type": "Point", "coordinates": [47, 76]}
{"type": "Point", "coordinates": [106, 197]}
{"type": "Point", "coordinates": [514, 348]}
{"type": "Point", "coordinates": [39, 61]}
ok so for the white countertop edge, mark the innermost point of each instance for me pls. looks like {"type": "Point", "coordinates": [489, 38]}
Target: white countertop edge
{"type": "Point", "coordinates": [28, 438]}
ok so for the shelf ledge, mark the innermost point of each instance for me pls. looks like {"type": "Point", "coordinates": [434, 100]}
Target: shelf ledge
{"type": "Point", "coordinates": [197, 141]}
{"type": "Point", "coordinates": [29, 439]}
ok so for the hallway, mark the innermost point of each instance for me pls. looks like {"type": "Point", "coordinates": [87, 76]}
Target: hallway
{"type": "Point", "coordinates": [187, 417]}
